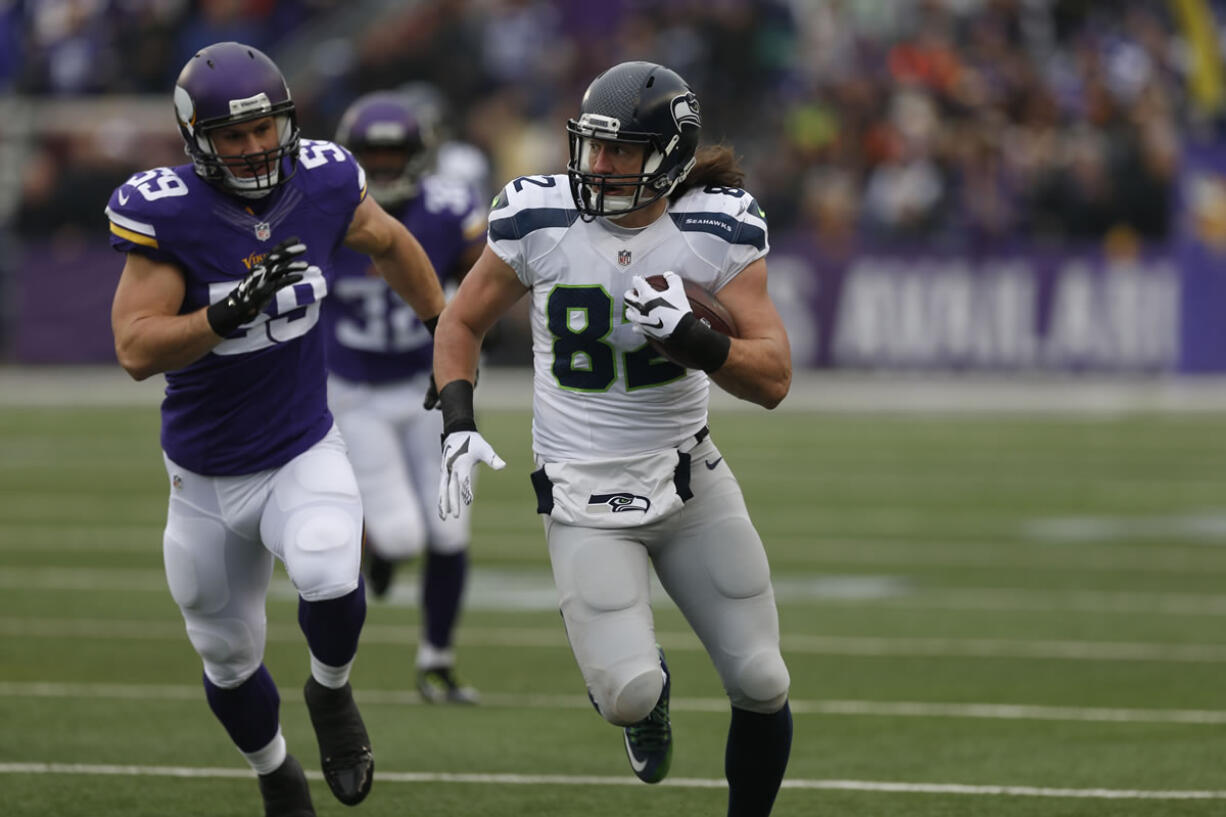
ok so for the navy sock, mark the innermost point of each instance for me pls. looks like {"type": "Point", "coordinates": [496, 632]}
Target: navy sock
{"type": "Point", "coordinates": [442, 588]}
{"type": "Point", "coordinates": [756, 757]}
{"type": "Point", "coordinates": [249, 711]}
{"type": "Point", "coordinates": [332, 627]}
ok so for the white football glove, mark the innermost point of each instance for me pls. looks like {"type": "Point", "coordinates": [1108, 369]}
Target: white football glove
{"type": "Point", "coordinates": [462, 450]}
{"type": "Point", "coordinates": [654, 312]}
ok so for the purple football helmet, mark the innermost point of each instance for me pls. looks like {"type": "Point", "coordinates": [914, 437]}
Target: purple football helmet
{"type": "Point", "coordinates": [226, 84]}
{"type": "Point", "coordinates": [638, 103]}
{"type": "Point", "coordinates": [395, 141]}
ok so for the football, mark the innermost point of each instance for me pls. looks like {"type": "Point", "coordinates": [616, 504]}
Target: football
{"type": "Point", "coordinates": [707, 308]}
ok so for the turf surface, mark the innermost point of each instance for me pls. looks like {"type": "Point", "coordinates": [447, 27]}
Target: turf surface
{"type": "Point", "coordinates": [981, 615]}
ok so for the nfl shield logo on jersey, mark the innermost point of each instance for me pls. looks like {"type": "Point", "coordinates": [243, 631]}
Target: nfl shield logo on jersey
{"type": "Point", "coordinates": [623, 258]}
{"type": "Point", "coordinates": [263, 231]}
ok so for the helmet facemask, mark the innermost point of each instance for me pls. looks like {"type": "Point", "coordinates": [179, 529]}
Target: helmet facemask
{"type": "Point", "coordinates": [263, 168]}
{"type": "Point", "coordinates": [592, 190]}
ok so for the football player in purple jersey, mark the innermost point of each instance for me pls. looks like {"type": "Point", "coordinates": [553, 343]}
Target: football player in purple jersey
{"type": "Point", "coordinates": [228, 259]}
{"type": "Point", "coordinates": [379, 359]}
{"type": "Point", "coordinates": [628, 476]}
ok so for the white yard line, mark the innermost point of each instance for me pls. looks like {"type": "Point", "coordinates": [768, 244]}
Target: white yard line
{"type": "Point", "coordinates": [587, 780]}
{"type": "Point", "coordinates": [545, 638]}
{"type": "Point", "coordinates": [534, 590]}
{"type": "Point", "coordinates": [719, 706]}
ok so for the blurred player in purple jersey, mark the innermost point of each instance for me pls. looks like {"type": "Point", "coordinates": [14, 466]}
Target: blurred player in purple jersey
{"type": "Point", "coordinates": [379, 359]}
{"type": "Point", "coordinates": [219, 293]}
{"type": "Point", "coordinates": [628, 477]}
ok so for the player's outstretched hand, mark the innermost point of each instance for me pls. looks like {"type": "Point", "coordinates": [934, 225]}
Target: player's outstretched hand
{"type": "Point", "coordinates": [654, 312]}
{"type": "Point", "coordinates": [462, 450]}
{"type": "Point", "coordinates": [281, 267]}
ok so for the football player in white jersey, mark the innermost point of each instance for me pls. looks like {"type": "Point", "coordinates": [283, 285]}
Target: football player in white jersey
{"type": "Point", "coordinates": [627, 475]}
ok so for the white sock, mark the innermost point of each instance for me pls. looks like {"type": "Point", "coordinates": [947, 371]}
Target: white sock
{"type": "Point", "coordinates": [331, 677]}
{"type": "Point", "coordinates": [270, 758]}
{"type": "Point", "coordinates": [431, 657]}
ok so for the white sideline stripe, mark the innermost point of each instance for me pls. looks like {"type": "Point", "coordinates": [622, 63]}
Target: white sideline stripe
{"type": "Point", "coordinates": [506, 388]}
{"type": "Point", "coordinates": [914, 709]}
{"type": "Point", "coordinates": [172, 630]}
{"type": "Point", "coordinates": [587, 780]}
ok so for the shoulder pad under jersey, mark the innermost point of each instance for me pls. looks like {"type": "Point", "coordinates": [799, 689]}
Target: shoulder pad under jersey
{"type": "Point", "coordinates": [531, 203]}
{"type": "Point", "coordinates": [728, 213]}
{"type": "Point", "coordinates": [145, 212]}
{"type": "Point", "coordinates": [330, 176]}
{"type": "Point", "coordinates": [528, 218]}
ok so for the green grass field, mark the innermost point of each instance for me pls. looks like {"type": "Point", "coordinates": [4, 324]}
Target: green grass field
{"type": "Point", "coordinates": [981, 615]}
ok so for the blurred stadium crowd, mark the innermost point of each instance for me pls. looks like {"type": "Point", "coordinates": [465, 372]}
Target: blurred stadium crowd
{"type": "Point", "coordinates": [954, 122]}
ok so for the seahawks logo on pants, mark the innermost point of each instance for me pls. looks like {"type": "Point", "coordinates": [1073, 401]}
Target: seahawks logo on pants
{"type": "Point", "coordinates": [619, 502]}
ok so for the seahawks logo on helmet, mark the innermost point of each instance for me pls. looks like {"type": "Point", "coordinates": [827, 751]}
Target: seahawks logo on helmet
{"type": "Point", "coordinates": [619, 502]}
{"type": "Point", "coordinates": [685, 110]}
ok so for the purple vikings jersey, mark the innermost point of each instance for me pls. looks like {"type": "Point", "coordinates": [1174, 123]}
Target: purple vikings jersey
{"type": "Point", "coordinates": [372, 335]}
{"type": "Point", "coordinates": [259, 398]}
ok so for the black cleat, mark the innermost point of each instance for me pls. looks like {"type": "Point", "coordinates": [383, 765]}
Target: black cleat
{"type": "Point", "coordinates": [649, 743]}
{"type": "Point", "coordinates": [440, 686]}
{"type": "Point", "coordinates": [285, 791]}
{"type": "Point", "coordinates": [344, 746]}
{"type": "Point", "coordinates": [379, 573]}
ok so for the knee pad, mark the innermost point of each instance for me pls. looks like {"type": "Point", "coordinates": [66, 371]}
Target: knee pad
{"type": "Point", "coordinates": [322, 552]}
{"type": "Point", "coordinates": [231, 652]}
{"type": "Point", "coordinates": [628, 703]}
{"type": "Point", "coordinates": [397, 536]}
{"type": "Point", "coordinates": [762, 683]}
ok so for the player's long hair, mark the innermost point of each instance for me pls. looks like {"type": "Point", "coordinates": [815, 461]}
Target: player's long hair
{"type": "Point", "coordinates": [714, 165]}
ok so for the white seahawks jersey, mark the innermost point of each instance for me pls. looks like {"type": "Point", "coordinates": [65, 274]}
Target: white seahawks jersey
{"type": "Point", "coordinates": [600, 391]}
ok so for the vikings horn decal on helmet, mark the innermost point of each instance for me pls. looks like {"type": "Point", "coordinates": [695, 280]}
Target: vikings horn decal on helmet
{"type": "Point", "coordinates": [633, 103]}
{"type": "Point", "coordinates": [394, 141]}
{"type": "Point", "coordinates": [227, 84]}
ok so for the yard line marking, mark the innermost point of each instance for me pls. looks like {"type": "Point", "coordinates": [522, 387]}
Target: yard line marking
{"type": "Point", "coordinates": [534, 590]}
{"type": "Point", "coordinates": [915, 709]}
{"type": "Point", "coordinates": [546, 638]}
{"type": "Point", "coordinates": [36, 537]}
{"type": "Point", "coordinates": [1009, 599]}
{"type": "Point", "coordinates": [626, 780]}
{"type": "Point", "coordinates": [1106, 554]}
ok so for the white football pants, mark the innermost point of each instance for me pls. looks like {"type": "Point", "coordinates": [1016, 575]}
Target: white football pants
{"type": "Point", "coordinates": [223, 532]}
{"type": "Point", "coordinates": [710, 560]}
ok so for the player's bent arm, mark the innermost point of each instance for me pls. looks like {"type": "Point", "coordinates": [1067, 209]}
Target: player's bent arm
{"type": "Point", "coordinates": [759, 364]}
{"type": "Point", "coordinates": [398, 257]}
{"type": "Point", "coordinates": [150, 335]}
{"type": "Point", "coordinates": [488, 290]}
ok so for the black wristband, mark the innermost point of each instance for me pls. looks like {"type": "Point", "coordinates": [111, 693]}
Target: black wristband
{"type": "Point", "coordinates": [702, 344]}
{"type": "Point", "coordinates": [456, 400]}
{"type": "Point", "coordinates": [224, 317]}
{"type": "Point", "coordinates": [431, 324]}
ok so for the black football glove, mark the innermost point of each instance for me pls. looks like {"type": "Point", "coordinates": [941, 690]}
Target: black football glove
{"type": "Point", "coordinates": [279, 269]}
